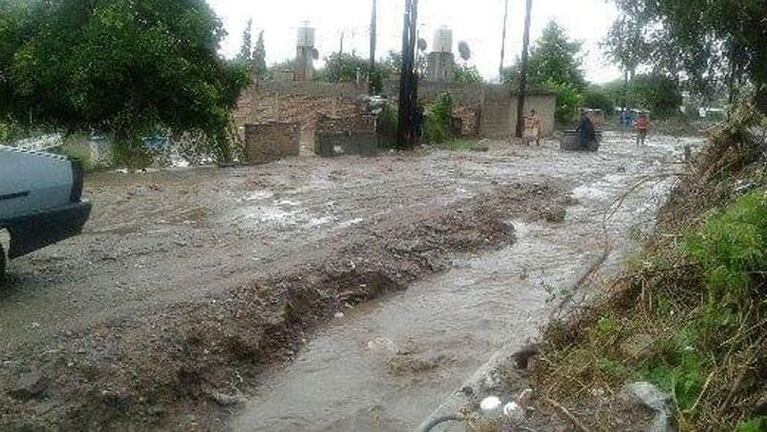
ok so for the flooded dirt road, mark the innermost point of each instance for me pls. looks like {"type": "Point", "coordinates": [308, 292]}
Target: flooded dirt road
{"type": "Point", "coordinates": [189, 288]}
{"type": "Point", "coordinates": [385, 366]}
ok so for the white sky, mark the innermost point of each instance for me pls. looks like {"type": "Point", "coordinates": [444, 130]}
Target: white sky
{"type": "Point", "coordinates": [479, 22]}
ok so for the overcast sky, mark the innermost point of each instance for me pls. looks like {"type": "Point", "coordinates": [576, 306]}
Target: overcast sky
{"type": "Point", "coordinates": [479, 22]}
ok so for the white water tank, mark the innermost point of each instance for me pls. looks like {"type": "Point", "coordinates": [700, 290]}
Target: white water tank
{"type": "Point", "coordinates": [305, 36]}
{"type": "Point", "coordinates": [443, 40]}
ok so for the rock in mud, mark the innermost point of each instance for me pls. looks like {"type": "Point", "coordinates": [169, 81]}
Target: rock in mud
{"type": "Point", "coordinates": [223, 399]}
{"type": "Point", "coordinates": [382, 345]}
{"type": "Point", "coordinates": [408, 365]}
{"type": "Point", "coordinates": [555, 214]}
{"type": "Point", "coordinates": [31, 385]}
{"type": "Point", "coordinates": [654, 399]}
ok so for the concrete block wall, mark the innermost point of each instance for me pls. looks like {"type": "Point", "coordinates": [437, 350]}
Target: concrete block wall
{"type": "Point", "coordinates": [346, 135]}
{"type": "Point", "coordinates": [357, 123]}
{"type": "Point", "coordinates": [269, 142]}
{"type": "Point", "coordinates": [486, 109]}
{"type": "Point", "coordinates": [499, 111]}
{"type": "Point", "coordinates": [351, 143]}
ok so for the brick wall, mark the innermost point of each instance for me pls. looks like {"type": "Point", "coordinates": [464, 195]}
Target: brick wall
{"type": "Point", "coordinates": [268, 142]}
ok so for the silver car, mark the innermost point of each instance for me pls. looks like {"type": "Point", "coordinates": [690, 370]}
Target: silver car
{"type": "Point", "coordinates": [40, 201]}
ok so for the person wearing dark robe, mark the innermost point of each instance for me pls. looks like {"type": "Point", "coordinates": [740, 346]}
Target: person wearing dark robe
{"type": "Point", "coordinates": [586, 131]}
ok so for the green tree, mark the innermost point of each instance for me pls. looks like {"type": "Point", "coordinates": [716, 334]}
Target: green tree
{"type": "Point", "coordinates": [343, 68]}
{"type": "Point", "coordinates": [657, 93]}
{"type": "Point", "coordinates": [467, 74]}
{"type": "Point", "coordinates": [555, 65]}
{"type": "Point", "coordinates": [555, 58]}
{"type": "Point", "coordinates": [464, 51]}
{"type": "Point", "coordinates": [712, 42]}
{"type": "Point", "coordinates": [597, 97]}
{"type": "Point", "coordinates": [626, 43]}
{"type": "Point", "coordinates": [127, 67]}
{"type": "Point", "coordinates": [247, 43]}
{"type": "Point", "coordinates": [259, 57]}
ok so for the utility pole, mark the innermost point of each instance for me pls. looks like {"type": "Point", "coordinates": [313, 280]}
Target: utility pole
{"type": "Point", "coordinates": [341, 48]}
{"type": "Point", "coordinates": [522, 93]}
{"type": "Point", "coordinates": [408, 91]}
{"type": "Point", "coordinates": [503, 39]}
{"type": "Point", "coordinates": [373, 27]}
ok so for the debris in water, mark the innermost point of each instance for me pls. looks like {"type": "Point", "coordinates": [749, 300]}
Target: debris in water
{"type": "Point", "coordinates": [382, 344]}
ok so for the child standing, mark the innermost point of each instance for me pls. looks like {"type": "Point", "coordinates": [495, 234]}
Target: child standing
{"type": "Point", "coordinates": [642, 126]}
{"type": "Point", "coordinates": [533, 128]}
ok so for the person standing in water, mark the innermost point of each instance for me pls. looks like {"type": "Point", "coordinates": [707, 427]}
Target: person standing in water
{"type": "Point", "coordinates": [533, 128]}
{"type": "Point", "coordinates": [586, 131]}
{"type": "Point", "coordinates": [642, 126]}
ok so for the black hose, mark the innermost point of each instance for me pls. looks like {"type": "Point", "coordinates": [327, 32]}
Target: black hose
{"type": "Point", "coordinates": [429, 426]}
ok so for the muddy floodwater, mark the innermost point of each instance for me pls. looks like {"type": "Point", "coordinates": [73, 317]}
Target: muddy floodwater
{"type": "Point", "coordinates": [333, 294]}
{"type": "Point", "coordinates": [386, 365]}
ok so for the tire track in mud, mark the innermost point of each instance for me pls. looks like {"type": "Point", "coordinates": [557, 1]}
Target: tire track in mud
{"type": "Point", "coordinates": [152, 371]}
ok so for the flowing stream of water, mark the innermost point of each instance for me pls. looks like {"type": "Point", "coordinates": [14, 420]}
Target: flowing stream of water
{"type": "Point", "coordinates": [387, 364]}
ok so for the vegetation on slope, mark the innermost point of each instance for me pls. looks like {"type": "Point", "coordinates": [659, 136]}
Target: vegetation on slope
{"type": "Point", "coordinates": [689, 314]}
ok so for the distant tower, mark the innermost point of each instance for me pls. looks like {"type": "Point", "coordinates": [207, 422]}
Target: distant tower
{"type": "Point", "coordinates": [440, 61]}
{"type": "Point", "coordinates": [305, 53]}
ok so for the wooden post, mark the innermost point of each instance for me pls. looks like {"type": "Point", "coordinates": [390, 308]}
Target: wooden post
{"type": "Point", "coordinates": [503, 40]}
{"type": "Point", "coordinates": [406, 132]}
{"type": "Point", "coordinates": [373, 30]}
{"type": "Point", "coordinates": [522, 93]}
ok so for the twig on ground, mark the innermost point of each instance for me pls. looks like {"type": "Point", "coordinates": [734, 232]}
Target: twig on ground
{"type": "Point", "coordinates": [702, 392]}
{"type": "Point", "coordinates": [564, 411]}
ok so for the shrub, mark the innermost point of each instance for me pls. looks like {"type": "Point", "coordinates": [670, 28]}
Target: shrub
{"type": "Point", "coordinates": [387, 125]}
{"type": "Point", "coordinates": [465, 74]}
{"type": "Point", "coordinates": [730, 249]}
{"type": "Point", "coordinates": [569, 101]}
{"type": "Point", "coordinates": [437, 122]}
{"type": "Point", "coordinates": [758, 424]}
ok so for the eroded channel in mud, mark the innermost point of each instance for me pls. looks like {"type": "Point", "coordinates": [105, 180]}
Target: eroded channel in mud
{"type": "Point", "coordinates": [387, 364]}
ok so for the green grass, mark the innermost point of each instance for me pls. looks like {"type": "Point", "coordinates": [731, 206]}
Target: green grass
{"type": "Point", "coordinates": [758, 424]}
{"type": "Point", "coordinates": [77, 154]}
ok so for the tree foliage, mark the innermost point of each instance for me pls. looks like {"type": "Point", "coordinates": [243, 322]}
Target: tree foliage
{"type": "Point", "coordinates": [707, 41]}
{"type": "Point", "coordinates": [596, 97]}
{"type": "Point", "coordinates": [554, 65]}
{"type": "Point", "coordinates": [123, 66]}
{"type": "Point", "coordinates": [343, 67]}
{"type": "Point", "coordinates": [555, 58]}
{"type": "Point", "coordinates": [657, 93]}
{"type": "Point", "coordinates": [467, 74]}
{"type": "Point", "coordinates": [464, 51]}
{"type": "Point", "coordinates": [246, 48]}
{"type": "Point", "coordinates": [258, 59]}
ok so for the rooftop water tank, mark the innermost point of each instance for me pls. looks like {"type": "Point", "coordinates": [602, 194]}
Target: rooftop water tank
{"type": "Point", "coordinates": [305, 36]}
{"type": "Point", "coordinates": [443, 40]}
